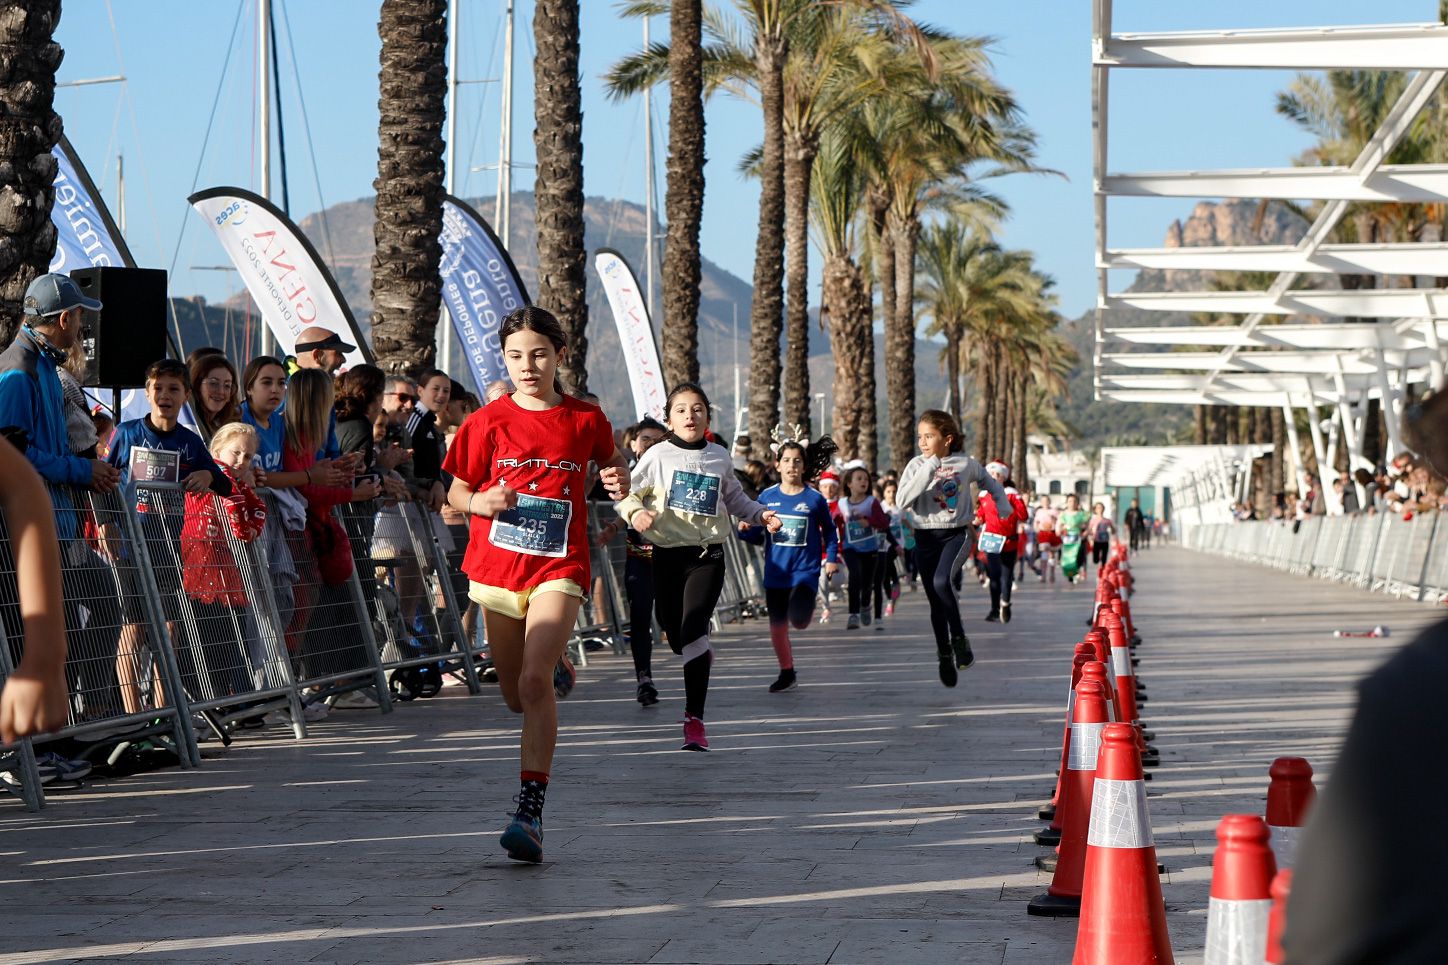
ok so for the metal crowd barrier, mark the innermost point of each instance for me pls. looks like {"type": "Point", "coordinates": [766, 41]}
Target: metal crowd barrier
{"type": "Point", "coordinates": [1382, 552]}
{"type": "Point", "coordinates": [180, 615]}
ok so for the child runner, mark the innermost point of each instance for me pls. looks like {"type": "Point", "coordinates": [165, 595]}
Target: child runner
{"type": "Point", "coordinates": [792, 564]}
{"type": "Point", "coordinates": [829, 487]}
{"type": "Point", "coordinates": [934, 495]}
{"type": "Point", "coordinates": [1048, 540]}
{"type": "Point", "coordinates": [1000, 564]}
{"type": "Point", "coordinates": [1101, 529]}
{"type": "Point", "coordinates": [1072, 526]}
{"type": "Point", "coordinates": [684, 492]}
{"type": "Point", "coordinates": [904, 537]}
{"type": "Point", "coordinates": [519, 468]}
{"type": "Point", "coordinates": [862, 521]}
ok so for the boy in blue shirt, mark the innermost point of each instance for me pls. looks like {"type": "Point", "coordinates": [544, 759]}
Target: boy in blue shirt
{"type": "Point", "coordinates": [157, 448]}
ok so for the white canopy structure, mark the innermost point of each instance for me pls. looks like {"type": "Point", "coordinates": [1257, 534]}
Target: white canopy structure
{"type": "Point", "coordinates": [1326, 363]}
{"type": "Point", "coordinates": [1205, 481]}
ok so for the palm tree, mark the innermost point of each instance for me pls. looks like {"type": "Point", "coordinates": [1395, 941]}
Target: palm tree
{"type": "Point", "coordinates": [27, 239]}
{"type": "Point", "coordinates": [684, 194]}
{"type": "Point", "coordinates": [406, 288]}
{"type": "Point", "coordinates": [930, 135]}
{"type": "Point", "coordinates": [838, 192]}
{"type": "Point", "coordinates": [558, 189]}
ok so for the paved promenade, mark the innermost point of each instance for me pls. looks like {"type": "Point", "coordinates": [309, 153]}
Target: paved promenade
{"type": "Point", "coordinates": [872, 816]}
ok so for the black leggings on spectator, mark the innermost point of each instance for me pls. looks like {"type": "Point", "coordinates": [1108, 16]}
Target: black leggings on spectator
{"type": "Point", "coordinates": [1001, 568]}
{"type": "Point", "coordinates": [936, 551]}
{"type": "Point", "coordinates": [861, 568]}
{"type": "Point", "coordinates": [638, 582]}
{"type": "Point", "coordinates": [687, 584]}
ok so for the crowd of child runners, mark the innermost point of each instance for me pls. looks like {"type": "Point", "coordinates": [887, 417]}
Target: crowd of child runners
{"type": "Point", "coordinates": [514, 475]}
{"type": "Point", "coordinates": [520, 470]}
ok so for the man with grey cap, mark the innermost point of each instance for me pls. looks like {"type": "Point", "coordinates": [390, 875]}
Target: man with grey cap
{"type": "Point", "coordinates": [32, 417]}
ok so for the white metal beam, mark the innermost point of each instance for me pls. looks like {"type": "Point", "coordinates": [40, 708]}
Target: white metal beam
{"type": "Point", "coordinates": [1414, 333]}
{"type": "Point", "coordinates": [1393, 47]}
{"type": "Point", "coordinates": [1322, 362]}
{"type": "Point", "coordinates": [1403, 183]}
{"type": "Point", "coordinates": [1356, 303]}
{"type": "Point", "coordinates": [1396, 259]}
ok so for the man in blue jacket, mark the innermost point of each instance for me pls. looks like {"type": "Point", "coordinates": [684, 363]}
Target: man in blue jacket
{"type": "Point", "coordinates": [32, 417]}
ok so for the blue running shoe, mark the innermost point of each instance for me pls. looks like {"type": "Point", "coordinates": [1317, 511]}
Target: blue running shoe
{"type": "Point", "coordinates": [523, 839]}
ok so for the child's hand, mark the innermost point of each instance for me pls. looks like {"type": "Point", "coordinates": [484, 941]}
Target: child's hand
{"type": "Point", "coordinates": [615, 481]}
{"type": "Point", "coordinates": [642, 520]}
{"type": "Point", "coordinates": [493, 501]}
{"type": "Point", "coordinates": [771, 521]}
{"type": "Point", "coordinates": [831, 569]}
{"type": "Point", "coordinates": [393, 456]}
{"type": "Point", "coordinates": [394, 488]}
{"type": "Point", "coordinates": [258, 475]}
{"type": "Point", "coordinates": [198, 482]}
{"type": "Point", "coordinates": [365, 489]}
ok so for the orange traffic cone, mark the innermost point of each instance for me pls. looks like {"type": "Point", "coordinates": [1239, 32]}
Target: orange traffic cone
{"type": "Point", "coordinates": [1063, 898]}
{"type": "Point", "coordinates": [1083, 653]}
{"type": "Point", "coordinates": [1277, 921]}
{"type": "Point", "coordinates": [1241, 900]}
{"type": "Point", "coordinates": [1090, 670]}
{"type": "Point", "coordinates": [1123, 920]}
{"type": "Point", "coordinates": [1289, 797]}
{"type": "Point", "coordinates": [1123, 610]}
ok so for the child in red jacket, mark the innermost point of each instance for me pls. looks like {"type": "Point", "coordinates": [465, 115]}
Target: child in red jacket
{"type": "Point", "coordinates": [212, 578]}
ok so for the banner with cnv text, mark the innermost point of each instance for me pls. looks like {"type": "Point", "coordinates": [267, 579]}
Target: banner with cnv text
{"type": "Point", "coordinates": [480, 286]}
{"type": "Point", "coordinates": [292, 289]}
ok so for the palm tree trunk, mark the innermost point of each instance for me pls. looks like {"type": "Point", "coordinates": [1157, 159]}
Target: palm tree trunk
{"type": "Point", "coordinates": [869, 413]}
{"type": "Point", "coordinates": [1277, 477]}
{"type": "Point", "coordinates": [1199, 425]}
{"type": "Point", "coordinates": [1020, 453]}
{"type": "Point", "coordinates": [999, 418]}
{"type": "Point", "coordinates": [28, 131]}
{"type": "Point", "coordinates": [799, 155]}
{"type": "Point", "coordinates": [984, 387]}
{"type": "Point", "coordinates": [766, 315]}
{"type": "Point", "coordinates": [900, 339]}
{"type": "Point", "coordinates": [900, 344]}
{"type": "Point", "coordinates": [952, 376]}
{"type": "Point", "coordinates": [684, 199]}
{"type": "Point", "coordinates": [844, 304]}
{"type": "Point", "coordinates": [406, 288]}
{"type": "Point", "coordinates": [558, 189]}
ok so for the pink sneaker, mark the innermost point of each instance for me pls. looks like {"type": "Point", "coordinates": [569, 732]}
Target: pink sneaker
{"type": "Point", "coordinates": [694, 737]}
{"type": "Point", "coordinates": [889, 609]}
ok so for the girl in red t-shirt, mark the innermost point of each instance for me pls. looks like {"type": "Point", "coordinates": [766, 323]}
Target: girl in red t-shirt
{"type": "Point", "coordinates": [520, 472]}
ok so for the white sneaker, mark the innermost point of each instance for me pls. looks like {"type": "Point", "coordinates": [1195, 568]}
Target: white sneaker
{"type": "Point", "coordinates": [353, 700]}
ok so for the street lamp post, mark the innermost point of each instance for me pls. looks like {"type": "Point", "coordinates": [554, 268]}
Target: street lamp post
{"type": "Point", "coordinates": [820, 398]}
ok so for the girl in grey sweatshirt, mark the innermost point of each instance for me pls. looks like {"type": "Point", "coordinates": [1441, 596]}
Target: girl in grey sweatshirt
{"type": "Point", "coordinates": [935, 495]}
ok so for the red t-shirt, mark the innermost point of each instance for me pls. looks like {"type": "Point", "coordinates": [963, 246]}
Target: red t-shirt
{"type": "Point", "coordinates": [544, 456]}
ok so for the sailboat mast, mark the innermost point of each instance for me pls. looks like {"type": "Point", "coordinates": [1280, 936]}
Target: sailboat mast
{"type": "Point", "coordinates": [121, 191]}
{"type": "Point", "coordinates": [263, 133]}
{"type": "Point", "coordinates": [444, 324]}
{"type": "Point", "coordinates": [648, 189]}
{"type": "Point", "coordinates": [503, 209]}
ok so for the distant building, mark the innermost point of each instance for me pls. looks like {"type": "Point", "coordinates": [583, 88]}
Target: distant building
{"type": "Point", "coordinates": [1057, 471]}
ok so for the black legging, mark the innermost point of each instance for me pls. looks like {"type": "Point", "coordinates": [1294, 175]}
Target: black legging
{"type": "Point", "coordinates": [638, 582]}
{"type": "Point", "coordinates": [1001, 568]}
{"type": "Point", "coordinates": [791, 604]}
{"type": "Point", "coordinates": [887, 578]}
{"type": "Point", "coordinates": [861, 567]}
{"type": "Point", "coordinates": [1100, 549]}
{"type": "Point", "coordinates": [687, 584]}
{"type": "Point", "coordinates": [936, 551]}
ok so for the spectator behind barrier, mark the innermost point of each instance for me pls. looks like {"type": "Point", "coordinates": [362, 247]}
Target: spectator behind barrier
{"type": "Point", "coordinates": [215, 391]}
{"type": "Point", "coordinates": [32, 416]}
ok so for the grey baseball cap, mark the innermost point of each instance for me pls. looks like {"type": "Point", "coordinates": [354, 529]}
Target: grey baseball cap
{"type": "Point", "coordinates": [54, 293]}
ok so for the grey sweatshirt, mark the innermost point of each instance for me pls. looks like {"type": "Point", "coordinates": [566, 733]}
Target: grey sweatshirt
{"type": "Point", "coordinates": [692, 491]}
{"type": "Point", "coordinates": [932, 503]}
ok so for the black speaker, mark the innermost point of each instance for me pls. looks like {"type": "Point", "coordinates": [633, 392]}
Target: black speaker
{"type": "Point", "coordinates": [129, 332]}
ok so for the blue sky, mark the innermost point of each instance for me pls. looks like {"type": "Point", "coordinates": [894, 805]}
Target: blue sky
{"type": "Point", "coordinates": [174, 52]}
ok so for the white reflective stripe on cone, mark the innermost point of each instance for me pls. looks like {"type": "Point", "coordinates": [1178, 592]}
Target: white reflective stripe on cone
{"type": "Point", "coordinates": [1237, 931]}
{"type": "Point", "coordinates": [1085, 745]}
{"type": "Point", "coordinates": [1121, 662]}
{"type": "Point", "coordinates": [1284, 844]}
{"type": "Point", "coordinates": [1118, 815]}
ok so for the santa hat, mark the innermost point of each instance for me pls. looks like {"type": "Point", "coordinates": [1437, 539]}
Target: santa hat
{"type": "Point", "coordinates": [829, 476]}
{"type": "Point", "coordinates": [998, 466]}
